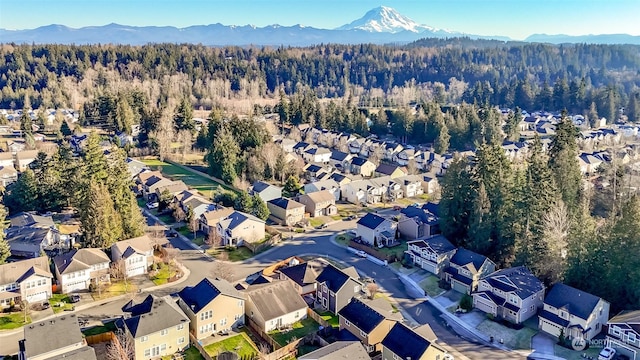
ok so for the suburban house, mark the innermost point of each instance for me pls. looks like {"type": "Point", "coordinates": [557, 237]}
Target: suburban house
{"type": "Point", "coordinates": [239, 227]}
{"type": "Point", "coordinates": [351, 350]}
{"type": "Point", "coordinates": [417, 223]}
{"type": "Point", "coordinates": [432, 254]}
{"type": "Point", "coordinates": [339, 159]}
{"type": "Point", "coordinates": [572, 312]}
{"type": "Point", "coordinates": [342, 179]}
{"type": "Point", "coordinates": [151, 181]}
{"type": "Point", "coordinates": [319, 203]}
{"type": "Point", "coordinates": [24, 158]}
{"type": "Point", "coordinates": [78, 269]}
{"type": "Point", "coordinates": [624, 333]}
{"type": "Point", "coordinates": [197, 205]}
{"type": "Point", "coordinates": [286, 211]}
{"type": "Point", "coordinates": [317, 155]}
{"type": "Point", "coordinates": [302, 276]}
{"type": "Point", "coordinates": [135, 166]}
{"type": "Point", "coordinates": [430, 184]}
{"type": "Point", "coordinates": [466, 268]}
{"type": "Point", "coordinates": [8, 175]}
{"type": "Point", "coordinates": [365, 191]}
{"type": "Point", "coordinates": [209, 220]}
{"type": "Point", "coordinates": [411, 185]}
{"type": "Point", "coordinates": [136, 255]}
{"type": "Point", "coordinates": [336, 287]}
{"type": "Point", "coordinates": [376, 230]}
{"type": "Point", "coordinates": [172, 187]}
{"type": "Point", "coordinates": [361, 166]}
{"type": "Point", "coordinates": [6, 159]}
{"type": "Point", "coordinates": [31, 241]}
{"type": "Point", "coordinates": [393, 171]}
{"type": "Point", "coordinates": [28, 280]}
{"type": "Point", "coordinates": [329, 185]}
{"type": "Point", "coordinates": [274, 305]}
{"type": "Point", "coordinates": [211, 306]}
{"type": "Point", "coordinates": [403, 343]}
{"type": "Point", "coordinates": [513, 294]}
{"type": "Point", "coordinates": [156, 326]}
{"type": "Point", "coordinates": [63, 340]}
{"type": "Point", "coordinates": [316, 172]}
{"type": "Point", "coordinates": [369, 321]}
{"type": "Point", "coordinates": [265, 191]}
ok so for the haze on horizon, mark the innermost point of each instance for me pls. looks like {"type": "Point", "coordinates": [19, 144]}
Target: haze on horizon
{"type": "Point", "coordinates": [516, 19]}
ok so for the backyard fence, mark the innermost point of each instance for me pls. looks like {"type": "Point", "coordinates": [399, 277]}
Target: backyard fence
{"type": "Point", "coordinates": [315, 316]}
{"type": "Point", "coordinates": [100, 338]}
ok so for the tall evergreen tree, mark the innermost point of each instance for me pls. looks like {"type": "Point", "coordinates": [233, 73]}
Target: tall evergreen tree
{"type": "Point", "coordinates": [125, 117]}
{"type": "Point", "coordinates": [101, 225]}
{"type": "Point", "coordinates": [223, 156]}
{"type": "Point", "coordinates": [259, 208]}
{"type": "Point", "coordinates": [65, 130]}
{"type": "Point", "coordinates": [23, 194]}
{"type": "Point", "coordinates": [125, 204]}
{"type": "Point", "coordinates": [95, 168]}
{"type": "Point", "coordinates": [457, 187]}
{"type": "Point", "coordinates": [563, 162]}
{"type": "Point", "coordinates": [26, 122]}
{"type": "Point", "coordinates": [441, 144]}
{"type": "Point", "coordinates": [183, 116]}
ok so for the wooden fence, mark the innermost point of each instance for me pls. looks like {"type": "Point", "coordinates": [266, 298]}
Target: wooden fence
{"type": "Point", "coordinates": [100, 338]}
{"type": "Point", "coordinates": [203, 352]}
{"type": "Point", "coordinates": [315, 316]}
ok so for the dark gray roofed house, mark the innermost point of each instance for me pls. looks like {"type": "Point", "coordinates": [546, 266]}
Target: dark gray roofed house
{"type": "Point", "coordinates": [339, 350]}
{"type": "Point", "coordinates": [63, 340]}
{"type": "Point", "coordinates": [368, 321]}
{"type": "Point", "coordinates": [265, 191]}
{"type": "Point", "coordinates": [404, 343]}
{"type": "Point", "coordinates": [371, 221]}
{"type": "Point", "coordinates": [336, 287]}
{"type": "Point", "coordinates": [465, 270]}
{"type": "Point", "coordinates": [286, 211]}
{"type": "Point", "coordinates": [32, 220]}
{"type": "Point", "coordinates": [417, 223]}
{"type": "Point", "coordinates": [432, 254]}
{"type": "Point", "coordinates": [303, 276]}
{"type": "Point", "coordinates": [200, 295]}
{"type": "Point", "coordinates": [623, 333]}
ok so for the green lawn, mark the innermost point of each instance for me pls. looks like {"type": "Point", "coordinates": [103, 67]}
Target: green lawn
{"type": "Point", "coordinates": [234, 254]}
{"type": "Point", "coordinates": [199, 240]}
{"type": "Point", "coordinates": [316, 222]}
{"type": "Point", "coordinates": [166, 218]}
{"type": "Point", "coordinates": [205, 185]}
{"type": "Point", "coordinates": [397, 250]}
{"type": "Point", "coordinates": [163, 275]}
{"type": "Point", "coordinates": [514, 339]}
{"type": "Point", "coordinates": [63, 299]}
{"type": "Point", "coordinates": [329, 317]}
{"type": "Point", "coordinates": [114, 289]}
{"type": "Point", "coordinates": [192, 354]}
{"type": "Point", "coordinates": [343, 239]}
{"type": "Point", "coordinates": [13, 321]}
{"type": "Point", "coordinates": [101, 329]}
{"type": "Point", "coordinates": [430, 286]}
{"type": "Point", "coordinates": [240, 344]}
{"type": "Point", "coordinates": [569, 354]}
{"type": "Point", "coordinates": [300, 330]}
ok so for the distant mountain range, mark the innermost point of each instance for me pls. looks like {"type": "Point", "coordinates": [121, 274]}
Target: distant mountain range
{"type": "Point", "coordinates": [381, 25]}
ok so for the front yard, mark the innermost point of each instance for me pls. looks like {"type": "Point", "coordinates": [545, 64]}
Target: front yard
{"type": "Point", "coordinates": [343, 239]}
{"type": "Point", "coordinates": [13, 321]}
{"type": "Point", "coordinates": [241, 344]}
{"type": "Point", "coordinates": [114, 289]}
{"type": "Point", "coordinates": [514, 339]}
{"type": "Point", "coordinates": [100, 329]}
{"type": "Point", "coordinates": [163, 274]}
{"type": "Point", "coordinates": [569, 354]}
{"type": "Point", "coordinates": [430, 286]}
{"type": "Point", "coordinates": [231, 254]}
{"type": "Point", "coordinates": [298, 331]}
{"type": "Point", "coordinates": [57, 300]}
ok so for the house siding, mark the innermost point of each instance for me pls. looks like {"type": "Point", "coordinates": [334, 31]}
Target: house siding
{"type": "Point", "coordinates": [156, 340]}
{"type": "Point", "coordinates": [226, 310]}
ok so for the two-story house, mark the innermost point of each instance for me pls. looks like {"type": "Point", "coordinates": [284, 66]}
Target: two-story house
{"type": "Point", "coordinates": [302, 276]}
{"type": "Point", "coordinates": [402, 343]}
{"type": "Point", "coordinates": [361, 166]}
{"type": "Point", "coordinates": [376, 230]}
{"type": "Point", "coordinates": [265, 191]}
{"type": "Point", "coordinates": [212, 305]}
{"type": "Point", "coordinates": [340, 160]}
{"type": "Point", "coordinates": [57, 338]}
{"type": "Point", "coordinates": [24, 158]}
{"type": "Point", "coordinates": [466, 268]}
{"type": "Point", "coordinates": [514, 294]}
{"type": "Point", "coordinates": [157, 327]}
{"type": "Point", "coordinates": [28, 280]}
{"type": "Point", "coordinates": [624, 333]}
{"type": "Point", "coordinates": [417, 223]}
{"type": "Point", "coordinates": [274, 305]}
{"type": "Point", "coordinates": [329, 185]}
{"type": "Point", "coordinates": [369, 321]}
{"type": "Point", "coordinates": [575, 313]}
{"type": "Point", "coordinates": [335, 287]}
{"type": "Point", "coordinates": [319, 203]}
{"type": "Point", "coordinates": [411, 185]}
{"type": "Point", "coordinates": [6, 159]}
{"type": "Point", "coordinates": [239, 227]}
{"type": "Point", "coordinates": [286, 211]}
{"type": "Point", "coordinates": [393, 171]}
{"type": "Point", "coordinates": [432, 254]}
{"type": "Point", "coordinates": [78, 269]}
{"type": "Point", "coordinates": [209, 220]}
{"type": "Point", "coordinates": [136, 255]}
{"type": "Point", "coordinates": [317, 155]}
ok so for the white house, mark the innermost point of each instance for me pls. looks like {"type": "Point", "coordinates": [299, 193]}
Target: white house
{"type": "Point", "coordinates": [78, 269]}
{"type": "Point", "coordinates": [374, 229]}
{"type": "Point", "coordinates": [274, 305]}
{"type": "Point", "coordinates": [136, 253]}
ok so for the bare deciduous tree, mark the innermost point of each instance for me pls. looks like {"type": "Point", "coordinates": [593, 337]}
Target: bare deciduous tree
{"type": "Point", "coordinates": [222, 269]}
{"type": "Point", "coordinates": [213, 238]}
{"type": "Point", "coordinates": [557, 224]}
{"type": "Point", "coordinates": [121, 347]}
{"type": "Point", "coordinates": [295, 134]}
{"type": "Point", "coordinates": [372, 289]}
{"type": "Point", "coordinates": [412, 167]}
{"type": "Point", "coordinates": [376, 154]}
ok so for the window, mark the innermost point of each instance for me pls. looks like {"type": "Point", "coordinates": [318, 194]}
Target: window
{"type": "Point", "coordinates": [144, 338]}
{"type": "Point", "coordinates": [240, 303]}
{"type": "Point", "coordinates": [180, 327]}
{"type": "Point", "coordinates": [223, 321]}
{"type": "Point", "coordinates": [297, 315]}
{"type": "Point", "coordinates": [347, 323]}
{"type": "Point", "coordinates": [181, 340]}
{"type": "Point", "coordinates": [163, 347]}
{"type": "Point", "coordinates": [147, 353]}
{"type": "Point", "coordinates": [356, 288]}
{"type": "Point", "coordinates": [324, 287]}
{"type": "Point", "coordinates": [396, 357]}
{"type": "Point", "coordinates": [631, 337]}
{"type": "Point", "coordinates": [164, 332]}
{"type": "Point", "coordinates": [206, 315]}
{"type": "Point", "coordinates": [615, 330]}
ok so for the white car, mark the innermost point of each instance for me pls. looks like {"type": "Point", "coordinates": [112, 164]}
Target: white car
{"type": "Point", "coordinates": [152, 205]}
{"type": "Point", "coordinates": [361, 253]}
{"type": "Point", "coordinates": [607, 354]}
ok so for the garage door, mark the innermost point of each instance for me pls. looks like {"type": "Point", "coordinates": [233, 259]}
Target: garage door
{"type": "Point", "coordinates": [42, 296]}
{"type": "Point", "coordinates": [459, 287]}
{"type": "Point", "coordinates": [136, 271]}
{"type": "Point", "coordinates": [549, 328]}
{"type": "Point", "coordinates": [74, 287]}
{"type": "Point", "coordinates": [481, 305]}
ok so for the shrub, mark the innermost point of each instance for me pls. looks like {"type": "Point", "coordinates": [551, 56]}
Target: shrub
{"type": "Point", "coordinates": [466, 302]}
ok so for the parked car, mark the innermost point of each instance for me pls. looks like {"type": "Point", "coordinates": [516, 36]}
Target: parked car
{"type": "Point", "coordinates": [607, 353]}
{"type": "Point", "coordinates": [322, 226]}
{"type": "Point", "coordinates": [45, 305]}
{"type": "Point", "coordinates": [74, 298]}
{"type": "Point", "coordinates": [361, 253]}
{"type": "Point", "coordinates": [152, 205]}
{"type": "Point", "coordinates": [351, 217]}
{"type": "Point", "coordinates": [352, 232]}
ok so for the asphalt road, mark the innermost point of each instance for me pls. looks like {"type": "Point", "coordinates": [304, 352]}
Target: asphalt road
{"type": "Point", "coordinates": [318, 243]}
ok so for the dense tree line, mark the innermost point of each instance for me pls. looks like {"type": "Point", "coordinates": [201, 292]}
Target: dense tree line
{"type": "Point", "coordinates": [97, 186]}
{"type": "Point", "coordinates": [532, 76]}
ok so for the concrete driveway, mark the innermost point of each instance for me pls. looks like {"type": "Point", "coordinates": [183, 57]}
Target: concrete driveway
{"type": "Point", "coordinates": [542, 344]}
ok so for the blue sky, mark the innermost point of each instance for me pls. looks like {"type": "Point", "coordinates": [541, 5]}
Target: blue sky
{"type": "Point", "coordinates": [514, 18]}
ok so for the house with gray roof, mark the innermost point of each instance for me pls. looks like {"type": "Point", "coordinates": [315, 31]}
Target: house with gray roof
{"type": "Point", "coordinates": [31, 242]}
{"type": "Point", "coordinates": [63, 340]}
{"type": "Point", "coordinates": [336, 287]}
{"type": "Point", "coordinates": [575, 313]}
{"type": "Point", "coordinates": [393, 171]}
{"type": "Point", "coordinates": [135, 166]}
{"type": "Point", "coordinates": [432, 254]}
{"type": "Point", "coordinates": [78, 269]}
{"type": "Point", "coordinates": [405, 343]}
{"type": "Point", "coordinates": [302, 276]}
{"type": "Point", "coordinates": [369, 321]}
{"type": "Point", "coordinates": [376, 230]}
{"type": "Point", "coordinates": [362, 166]}
{"type": "Point", "coordinates": [156, 326]}
{"type": "Point", "coordinates": [319, 203]}
{"type": "Point", "coordinates": [265, 191]}
{"type": "Point", "coordinates": [212, 305]}
{"type": "Point", "coordinates": [466, 268]}
{"type": "Point", "coordinates": [339, 350]}
{"type": "Point", "coordinates": [136, 254]}
{"type": "Point", "coordinates": [28, 279]}
{"type": "Point", "coordinates": [623, 333]}
{"type": "Point", "coordinates": [513, 294]}
{"type": "Point", "coordinates": [285, 211]}
{"type": "Point", "coordinates": [417, 223]}
{"type": "Point", "coordinates": [329, 185]}
{"type": "Point", "coordinates": [274, 305]}
{"type": "Point", "coordinates": [239, 227]}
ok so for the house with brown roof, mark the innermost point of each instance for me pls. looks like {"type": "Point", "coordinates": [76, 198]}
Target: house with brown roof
{"type": "Point", "coordinates": [78, 269]}
{"type": "Point", "coordinates": [274, 305]}
{"type": "Point", "coordinates": [24, 158]}
{"type": "Point", "coordinates": [6, 159]}
{"type": "Point", "coordinates": [136, 253]}
{"type": "Point", "coordinates": [28, 279]}
{"type": "Point", "coordinates": [319, 203]}
{"type": "Point", "coordinates": [209, 220]}
{"type": "Point", "coordinates": [8, 175]}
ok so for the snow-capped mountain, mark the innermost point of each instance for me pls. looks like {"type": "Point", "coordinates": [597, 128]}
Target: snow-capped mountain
{"type": "Point", "coordinates": [386, 19]}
